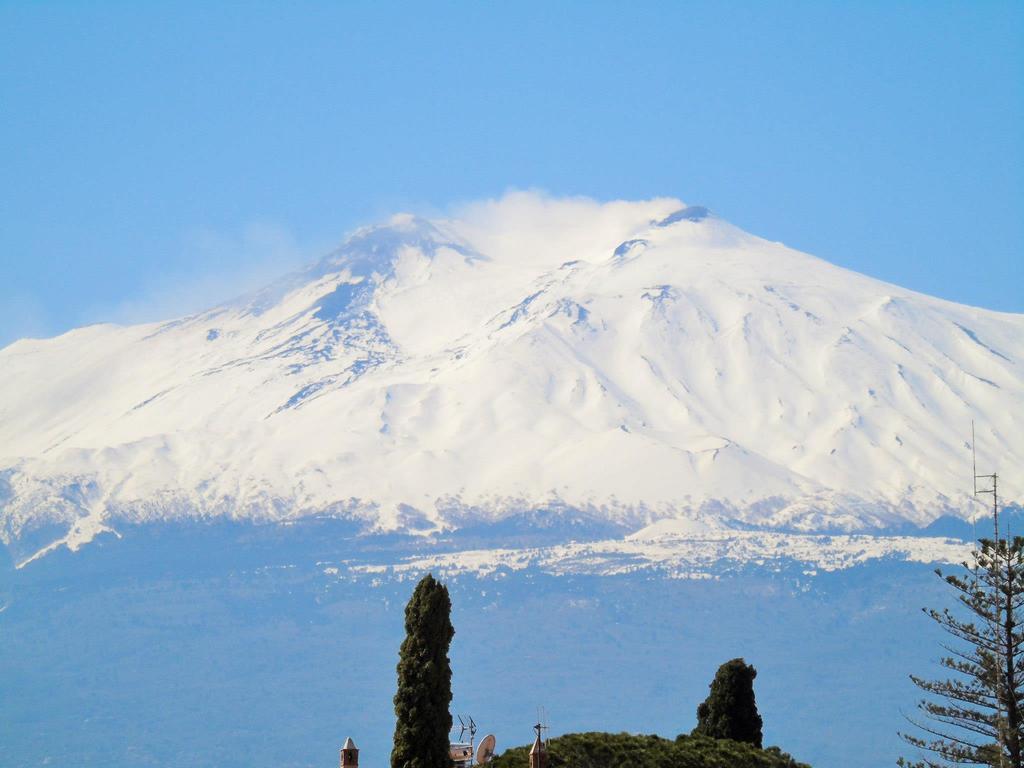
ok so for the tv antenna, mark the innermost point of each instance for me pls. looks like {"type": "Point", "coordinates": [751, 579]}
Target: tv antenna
{"type": "Point", "coordinates": [485, 753]}
{"type": "Point", "coordinates": [989, 485]}
{"type": "Point", "coordinates": [542, 724]}
{"type": "Point", "coordinates": [466, 724]}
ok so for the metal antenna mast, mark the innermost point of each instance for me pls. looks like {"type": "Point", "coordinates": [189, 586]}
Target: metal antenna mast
{"type": "Point", "coordinates": [992, 481]}
{"type": "Point", "coordinates": [471, 727]}
{"type": "Point", "coordinates": [472, 739]}
{"type": "Point", "coordinates": [542, 724]}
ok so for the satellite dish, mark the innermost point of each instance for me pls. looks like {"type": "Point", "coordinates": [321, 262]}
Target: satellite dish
{"type": "Point", "coordinates": [485, 752]}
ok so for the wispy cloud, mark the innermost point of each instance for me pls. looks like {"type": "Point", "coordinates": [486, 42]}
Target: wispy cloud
{"type": "Point", "coordinates": [531, 224]}
{"type": "Point", "coordinates": [222, 265]}
{"type": "Point", "coordinates": [22, 317]}
{"type": "Point", "coordinates": [213, 266]}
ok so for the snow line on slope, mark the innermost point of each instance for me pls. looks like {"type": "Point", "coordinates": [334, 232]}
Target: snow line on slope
{"type": "Point", "coordinates": [683, 557]}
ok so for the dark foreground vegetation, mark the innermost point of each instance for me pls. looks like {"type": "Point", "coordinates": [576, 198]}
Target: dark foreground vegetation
{"type": "Point", "coordinates": [600, 750]}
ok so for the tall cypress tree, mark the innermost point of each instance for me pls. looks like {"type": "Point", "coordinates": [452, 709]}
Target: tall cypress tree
{"type": "Point", "coordinates": [730, 712]}
{"type": "Point", "coordinates": [424, 680]}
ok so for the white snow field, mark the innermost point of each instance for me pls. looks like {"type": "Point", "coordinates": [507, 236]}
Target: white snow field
{"type": "Point", "coordinates": [629, 361]}
{"type": "Point", "coordinates": [700, 556]}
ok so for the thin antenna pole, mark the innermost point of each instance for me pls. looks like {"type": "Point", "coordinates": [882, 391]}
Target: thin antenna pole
{"type": "Point", "coordinates": [974, 460]}
{"type": "Point", "coordinates": [995, 502]}
{"type": "Point", "coordinates": [974, 481]}
{"type": "Point", "coordinates": [542, 724]}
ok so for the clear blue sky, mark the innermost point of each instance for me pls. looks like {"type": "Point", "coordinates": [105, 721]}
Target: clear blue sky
{"type": "Point", "coordinates": [156, 156]}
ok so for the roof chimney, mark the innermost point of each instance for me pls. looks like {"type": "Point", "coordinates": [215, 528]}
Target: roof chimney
{"type": "Point", "coordinates": [349, 754]}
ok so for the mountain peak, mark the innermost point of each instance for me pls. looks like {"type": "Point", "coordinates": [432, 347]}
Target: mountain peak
{"type": "Point", "coordinates": [689, 213]}
{"type": "Point", "coordinates": [610, 360]}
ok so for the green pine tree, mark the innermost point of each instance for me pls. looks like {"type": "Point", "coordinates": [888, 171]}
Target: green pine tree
{"type": "Point", "coordinates": [730, 712]}
{"type": "Point", "coordinates": [424, 680]}
{"type": "Point", "coordinates": [976, 717]}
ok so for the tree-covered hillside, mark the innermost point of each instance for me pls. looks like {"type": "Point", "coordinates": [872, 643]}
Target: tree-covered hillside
{"type": "Point", "coordinates": [604, 750]}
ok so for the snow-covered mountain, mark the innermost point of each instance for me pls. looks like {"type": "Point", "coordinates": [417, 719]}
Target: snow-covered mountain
{"type": "Point", "coordinates": [622, 362]}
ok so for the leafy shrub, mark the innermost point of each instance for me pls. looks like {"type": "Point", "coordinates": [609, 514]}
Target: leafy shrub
{"type": "Point", "coordinates": [616, 750]}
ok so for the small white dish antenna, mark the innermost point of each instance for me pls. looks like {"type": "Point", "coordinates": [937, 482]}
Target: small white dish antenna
{"type": "Point", "coordinates": [485, 752]}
